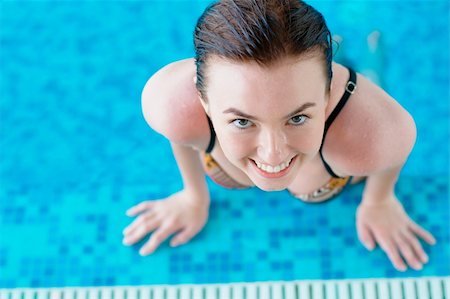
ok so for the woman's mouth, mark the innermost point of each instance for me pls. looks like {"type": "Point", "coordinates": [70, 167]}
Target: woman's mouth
{"type": "Point", "coordinates": [272, 172]}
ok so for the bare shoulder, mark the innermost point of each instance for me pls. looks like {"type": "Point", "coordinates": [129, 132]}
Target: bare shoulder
{"type": "Point", "coordinates": [373, 132]}
{"type": "Point", "coordinates": [171, 107]}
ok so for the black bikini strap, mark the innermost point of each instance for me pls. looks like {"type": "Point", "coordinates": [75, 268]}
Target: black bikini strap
{"type": "Point", "coordinates": [212, 139]}
{"type": "Point", "coordinates": [349, 90]}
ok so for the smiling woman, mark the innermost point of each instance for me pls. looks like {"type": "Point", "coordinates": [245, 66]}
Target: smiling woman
{"type": "Point", "coordinates": [274, 138]}
{"type": "Point", "coordinates": [262, 104]}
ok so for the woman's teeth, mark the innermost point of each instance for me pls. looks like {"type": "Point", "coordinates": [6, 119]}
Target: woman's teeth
{"type": "Point", "coordinates": [273, 169]}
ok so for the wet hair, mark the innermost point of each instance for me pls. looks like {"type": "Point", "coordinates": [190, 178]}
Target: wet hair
{"type": "Point", "coordinates": [261, 31]}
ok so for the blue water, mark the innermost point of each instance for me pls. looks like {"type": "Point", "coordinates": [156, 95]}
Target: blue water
{"type": "Point", "coordinates": [76, 152]}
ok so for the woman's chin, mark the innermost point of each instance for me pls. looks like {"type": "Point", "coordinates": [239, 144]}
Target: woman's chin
{"type": "Point", "coordinates": [270, 185]}
{"type": "Point", "coordinates": [271, 188]}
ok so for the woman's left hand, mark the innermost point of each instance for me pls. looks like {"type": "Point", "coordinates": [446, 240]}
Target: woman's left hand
{"type": "Point", "coordinates": [386, 223]}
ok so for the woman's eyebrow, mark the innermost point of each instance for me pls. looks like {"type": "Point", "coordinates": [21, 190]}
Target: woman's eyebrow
{"type": "Point", "coordinates": [248, 116]}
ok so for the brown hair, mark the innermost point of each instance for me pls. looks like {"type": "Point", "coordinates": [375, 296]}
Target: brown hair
{"type": "Point", "coordinates": [264, 31]}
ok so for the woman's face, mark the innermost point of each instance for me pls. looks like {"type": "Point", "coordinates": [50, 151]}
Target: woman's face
{"type": "Point", "coordinates": [269, 121]}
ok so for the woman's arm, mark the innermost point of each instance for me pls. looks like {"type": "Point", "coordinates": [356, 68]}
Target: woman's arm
{"type": "Point", "coordinates": [375, 138]}
{"type": "Point", "coordinates": [388, 153]}
{"type": "Point", "coordinates": [170, 107]}
{"type": "Point", "coordinates": [192, 172]}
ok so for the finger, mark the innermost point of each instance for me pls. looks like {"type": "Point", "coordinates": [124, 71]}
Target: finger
{"type": "Point", "coordinates": [408, 253]}
{"type": "Point", "coordinates": [141, 231]}
{"type": "Point", "coordinates": [138, 222]}
{"type": "Point", "coordinates": [365, 236]}
{"type": "Point", "coordinates": [392, 252]}
{"type": "Point", "coordinates": [424, 234]}
{"type": "Point", "coordinates": [182, 237]}
{"type": "Point", "coordinates": [143, 206]}
{"type": "Point", "coordinates": [159, 236]}
{"type": "Point", "coordinates": [415, 244]}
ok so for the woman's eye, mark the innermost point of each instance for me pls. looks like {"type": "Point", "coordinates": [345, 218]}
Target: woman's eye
{"type": "Point", "coordinates": [242, 123]}
{"type": "Point", "coordinates": [298, 120]}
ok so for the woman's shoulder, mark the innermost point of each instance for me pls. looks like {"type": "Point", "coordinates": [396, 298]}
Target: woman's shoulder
{"type": "Point", "coordinates": [372, 132]}
{"type": "Point", "coordinates": [171, 106]}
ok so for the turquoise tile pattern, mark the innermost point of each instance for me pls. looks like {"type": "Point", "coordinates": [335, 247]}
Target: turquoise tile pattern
{"type": "Point", "coordinates": [76, 152]}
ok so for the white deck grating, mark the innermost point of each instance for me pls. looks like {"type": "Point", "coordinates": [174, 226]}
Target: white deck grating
{"type": "Point", "coordinates": [409, 288]}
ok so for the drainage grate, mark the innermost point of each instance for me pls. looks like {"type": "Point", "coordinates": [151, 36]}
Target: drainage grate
{"type": "Point", "coordinates": [410, 288]}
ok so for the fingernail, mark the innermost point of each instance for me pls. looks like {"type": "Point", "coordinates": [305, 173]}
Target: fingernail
{"type": "Point", "coordinates": [402, 268]}
{"type": "Point", "coordinates": [418, 267]}
{"type": "Point", "coordinates": [125, 242]}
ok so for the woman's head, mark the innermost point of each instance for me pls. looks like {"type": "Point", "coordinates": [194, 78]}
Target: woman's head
{"type": "Point", "coordinates": [263, 74]}
{"type": "Point", "coordinates": [261, 31]}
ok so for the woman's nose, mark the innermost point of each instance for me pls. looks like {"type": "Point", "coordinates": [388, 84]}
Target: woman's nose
{"type": "Point", "coordinates": [272, 147]}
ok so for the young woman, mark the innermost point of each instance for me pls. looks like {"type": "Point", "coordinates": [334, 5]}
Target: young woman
{"type": "Point", "coordinates": [262, 104]}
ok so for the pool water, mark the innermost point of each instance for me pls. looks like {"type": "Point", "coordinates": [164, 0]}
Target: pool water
{"type": "Point", "coordinates": [76, 152]}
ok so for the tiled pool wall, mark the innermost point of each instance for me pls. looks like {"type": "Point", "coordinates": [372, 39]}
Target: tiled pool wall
{"type": "Point", "coordinates": [76, 151]}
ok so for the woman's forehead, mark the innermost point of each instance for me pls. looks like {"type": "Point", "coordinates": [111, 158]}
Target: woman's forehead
{"type": "Point", "coordinates": [231, 81]}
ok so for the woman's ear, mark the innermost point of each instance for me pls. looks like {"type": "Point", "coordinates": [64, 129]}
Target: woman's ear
{"type": "Point", "coordinates": [202, 101]}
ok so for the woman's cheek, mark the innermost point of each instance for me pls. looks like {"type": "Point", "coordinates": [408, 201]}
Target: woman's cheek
{"type": "Point", "coordinates": [307, 141]}
{"type": "Point", "coordinates": [236, 146]}
{"type": "Point", "coordinates": [314, 140]}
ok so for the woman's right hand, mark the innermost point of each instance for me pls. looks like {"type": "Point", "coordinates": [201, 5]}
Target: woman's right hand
{"type": "Point", "coordinates": [183, 213]}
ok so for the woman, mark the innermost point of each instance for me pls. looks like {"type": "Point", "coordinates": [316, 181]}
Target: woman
{"type": "Point", "coordinates": [262, 104]}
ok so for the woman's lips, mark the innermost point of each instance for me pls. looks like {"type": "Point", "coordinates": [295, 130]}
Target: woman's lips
{"type": "Point", "coordinates": [274, 175]}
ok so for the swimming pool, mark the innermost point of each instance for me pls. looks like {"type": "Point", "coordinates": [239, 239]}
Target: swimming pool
{"type": "Point", "coordinates": [76, 151]}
